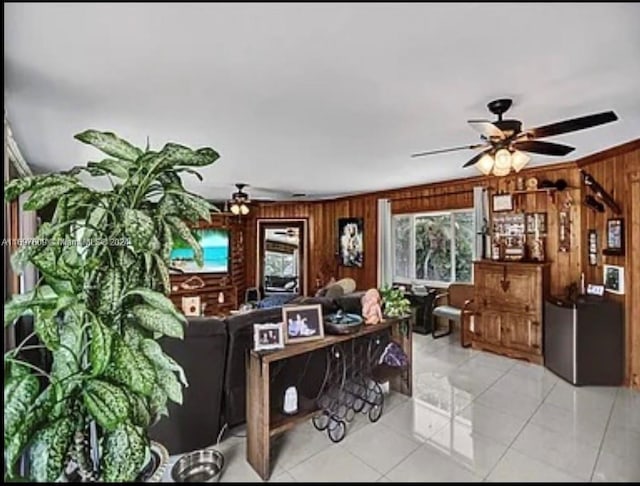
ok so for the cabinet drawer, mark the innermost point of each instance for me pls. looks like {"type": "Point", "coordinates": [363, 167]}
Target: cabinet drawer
{"type": "Point", "coordinates": [494, 302]}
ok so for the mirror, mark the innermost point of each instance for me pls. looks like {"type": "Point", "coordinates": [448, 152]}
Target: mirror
{"type": "Point", "coordinates": [281, 257]}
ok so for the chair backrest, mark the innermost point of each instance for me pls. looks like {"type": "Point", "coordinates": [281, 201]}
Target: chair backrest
{"type": "Point", "coordinates": [459, 294]}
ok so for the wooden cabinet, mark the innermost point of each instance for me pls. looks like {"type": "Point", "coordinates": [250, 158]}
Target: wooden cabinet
{"type": "Point", "coordinates": [509, 300]}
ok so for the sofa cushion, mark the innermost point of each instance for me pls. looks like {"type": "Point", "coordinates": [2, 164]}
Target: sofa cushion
{"type": "Point", "coordinates": [275, 300]}
{"type": "Point", "coordinates": [329, 306]}
{"type": "Point", "coordinates": [351, 303]}
{"type": "Point", "coordinates": [334, 291]}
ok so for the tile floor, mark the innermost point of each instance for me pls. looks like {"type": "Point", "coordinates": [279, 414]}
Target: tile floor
{"type": "Point", "coordinates": [474, 416]}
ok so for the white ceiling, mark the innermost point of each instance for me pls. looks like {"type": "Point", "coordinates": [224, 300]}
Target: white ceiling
{"type": "Point", "coordinates": [314, 98]}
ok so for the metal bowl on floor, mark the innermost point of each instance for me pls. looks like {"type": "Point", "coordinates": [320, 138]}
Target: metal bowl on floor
{"type": "Point", "coordinates": [203, 466]}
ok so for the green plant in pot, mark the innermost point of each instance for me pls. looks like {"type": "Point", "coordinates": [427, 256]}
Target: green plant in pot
{"type": "Point", "coordinates": [99, 309]}
{"type": "Point", "coordinates": [394, 302]}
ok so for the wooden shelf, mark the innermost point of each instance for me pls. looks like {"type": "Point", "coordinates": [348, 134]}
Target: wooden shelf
{"type": "Point", "coordinates": [280, 422]}
{"type": "Point", "coordinates": [533, 191]}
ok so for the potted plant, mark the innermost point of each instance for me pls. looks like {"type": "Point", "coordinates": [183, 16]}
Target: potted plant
{"type": "Point", "coordinates": [394, 302]}
{"type": "Point", "coordinates": [98, 309]}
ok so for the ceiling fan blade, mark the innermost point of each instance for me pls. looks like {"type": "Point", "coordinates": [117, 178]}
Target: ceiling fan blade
{"type": "Point", "coordinates": [475, 159]}
{"type": "Point", "coordinates": [453, 149]}
{"type": "Point", "coordinates": [572, 125]}
{"type": "Point", "coordinates": [544, 148]}
{"type": "Point", "coordinates": [487, 128]}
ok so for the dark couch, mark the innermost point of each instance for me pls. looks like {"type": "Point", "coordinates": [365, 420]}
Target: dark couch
{"type": "Point", "coordinates": [202, 354]}
{"type": "Point", "coordinates": [213, 355]}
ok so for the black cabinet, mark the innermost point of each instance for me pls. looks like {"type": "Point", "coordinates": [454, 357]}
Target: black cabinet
{"type": "Point", "coordinates": [422, 305]}
{"type": "Point", "coordinates": [584, 340]}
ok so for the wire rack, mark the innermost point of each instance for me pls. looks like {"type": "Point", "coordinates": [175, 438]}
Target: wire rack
{"type": "Point", "coordinates": [348, 387]}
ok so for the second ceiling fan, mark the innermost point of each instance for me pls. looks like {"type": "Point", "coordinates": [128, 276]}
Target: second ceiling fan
{"type": "Point", "coordinates": [504, 141]}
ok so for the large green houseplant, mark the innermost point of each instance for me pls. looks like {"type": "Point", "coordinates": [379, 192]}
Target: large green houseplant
{"type": "Point", "coordinates": [99, 308]}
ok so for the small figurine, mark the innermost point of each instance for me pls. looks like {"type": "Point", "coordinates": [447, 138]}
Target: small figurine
{"type": "Point", "coordinates": [371, 310]}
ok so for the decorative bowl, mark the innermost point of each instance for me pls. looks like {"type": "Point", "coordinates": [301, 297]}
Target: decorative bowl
{"type": "Point", "coordinates": [340, 323]}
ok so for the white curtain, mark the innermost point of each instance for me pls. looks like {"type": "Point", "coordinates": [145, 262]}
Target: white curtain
{"type": "Point", "coordinates": [385, 267]}
{"type": "Point", "coordinates": [481, 218]}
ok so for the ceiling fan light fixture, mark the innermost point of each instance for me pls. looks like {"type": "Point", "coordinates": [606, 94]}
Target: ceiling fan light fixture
{"type": "Point", "coordinates": [519, 160]}
{"type": "Point", "coordinates": [501, 172]}
{"type": "Point", "coordinates": [235, 208]}
{"type": "Point", "coordinates": [485, 164]}
{"type": "Point", "coordinates": [244, 209]}
{"type": "Point", "coordinates": [503, 161]}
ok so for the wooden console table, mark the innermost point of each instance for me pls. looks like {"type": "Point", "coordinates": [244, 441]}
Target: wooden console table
{"type": "Point", "coordinates": [264, 423]}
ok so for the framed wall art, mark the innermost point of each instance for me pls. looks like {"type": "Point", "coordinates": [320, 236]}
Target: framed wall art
{"type": "Point", "coordinates": [502, 202]}
{"type": "Point", "coordinates": [615, 237]}
{"type": "Point", "coordinates": [614, 279]}
{"type": "Point", "coordinates": [592, 241]}
{"type": "Point", "coordinates": [351, 242]}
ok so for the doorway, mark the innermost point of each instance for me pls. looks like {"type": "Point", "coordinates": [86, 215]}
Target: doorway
{"type": "Point", "coordinates": [282, 257]}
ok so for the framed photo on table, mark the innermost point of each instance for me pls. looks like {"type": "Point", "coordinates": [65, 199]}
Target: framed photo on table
{"type": "Point", "coordinates": [302, 323]}
{"type": "Point", "coordinates": [268, 336]}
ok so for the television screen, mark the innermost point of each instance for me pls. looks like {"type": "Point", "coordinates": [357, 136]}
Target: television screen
{"type": "Point", "coordinates": [215, 251]}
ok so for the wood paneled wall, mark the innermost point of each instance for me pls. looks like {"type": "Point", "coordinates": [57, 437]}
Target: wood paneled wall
{"type": "Point", "coordinates": [611, 168]}
{"type": "Point", "coordinates": [232, 284]}
{"type": "Point", "coordinates": [615, 170]}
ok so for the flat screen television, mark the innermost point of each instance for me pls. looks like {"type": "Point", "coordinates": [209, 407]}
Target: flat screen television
{"type": "Point", "coordinates": [215, 251]}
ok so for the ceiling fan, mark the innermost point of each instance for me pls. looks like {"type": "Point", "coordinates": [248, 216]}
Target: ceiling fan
{"type": "Point", "coordinates": [504, 141]}
{"type": "Point", "coordinates": [238, 204]}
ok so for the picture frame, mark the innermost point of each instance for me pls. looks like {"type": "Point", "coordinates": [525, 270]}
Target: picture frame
{"type": "Point", "coordinates": [592, 242]}
{"type": "Point", "coordinates": [302, 323]}
{"type": "Point", "coordinates": [351, 242]}
{"type": "Point", "coordinates": [502, 202]}
{"type": "Point", "coordinates": [614, 279]}
{"type": "Point", "coordinates": [191, 306]}
{"type": "Point", "coordinates": [615, 237]}
{"type": "Point", "coordinates": [268, 336]}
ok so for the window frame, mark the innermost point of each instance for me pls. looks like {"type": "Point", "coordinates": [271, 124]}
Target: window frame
{"type": "Point", "coordinates": [412, 247]}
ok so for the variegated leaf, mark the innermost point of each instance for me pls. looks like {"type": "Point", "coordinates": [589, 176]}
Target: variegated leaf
{"type": "Point", "coordinates": [153, 351]}
{"type": "Point", "coordinates": [108, 404]}
{"type": "Point", "coordinates": [46, 327]}
{"type": "Point", "coordinates": [110, 144]}
{"type": "Point", "coordinates": [158, 301]}
{"type": "Point", "coordinates": [118, 168]}
{"type": "Point", "coordinates": [139, 228]}
{"type": "Point", "coordinates": [197, 204]}
{"type": "Point", "coordinates": [129, 367]}
{"type": "Point", "coordinates": [170, 384]}
{"type": "Point", "coordinates": [124, 452]}
{"type": "Point", "coordinates": [20, 392]}
{"type": "Point", "coordinates": [109, 291]}
{"type": "Point", "coordinates": [177, 154]}
{"type": "Point", "coordinates": [48, 452]}
{"type": "Point", "coordinates": [185, 233]}
{"type": "Point", "coordinates": [100, 346]}
{"type": "Point", "coordinates": [40, 197]}
{"type": "Point", "coordinates": [155, 320]}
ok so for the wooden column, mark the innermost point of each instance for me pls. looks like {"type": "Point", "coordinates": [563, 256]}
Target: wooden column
{"type": "Point", "coordinates": [632, 275]}
{"type": "Point", "coordinates": [258, 415]}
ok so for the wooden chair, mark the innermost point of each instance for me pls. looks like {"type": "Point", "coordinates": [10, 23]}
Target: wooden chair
{"type": "Point", "coordinates": [454, 306]}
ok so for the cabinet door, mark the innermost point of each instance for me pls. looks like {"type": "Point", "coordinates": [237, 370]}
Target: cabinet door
{"type": "Point", "coordinates": [522, 332]}
{"type": "Point", "coordinates": [488, 327]}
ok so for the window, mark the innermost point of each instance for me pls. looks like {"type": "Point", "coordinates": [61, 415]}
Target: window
{"type": "Point", "coordinates": [280, 264]}
{"type": "Point", "coordinates": [433, 248]}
